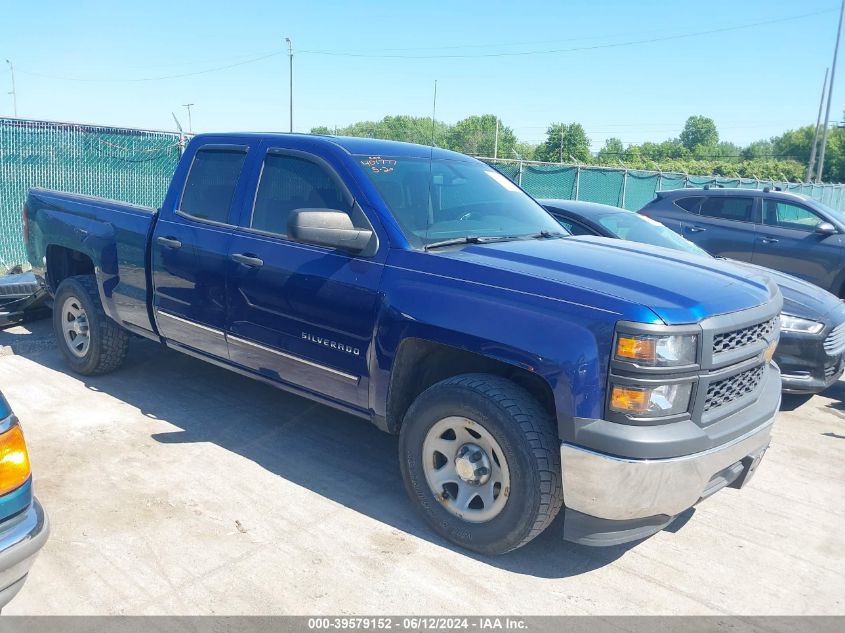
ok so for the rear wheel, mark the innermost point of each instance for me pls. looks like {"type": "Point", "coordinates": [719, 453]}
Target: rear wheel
{"type": "Point", "coordinates": [480, 459]}
{"type": "Point", "coordinates": [90, 341]}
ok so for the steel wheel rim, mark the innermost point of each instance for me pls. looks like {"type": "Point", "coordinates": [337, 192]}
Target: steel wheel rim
{"type": "Point", "coordinates": [75, 327]}
{"type": "Point", "coordinates": [473, 502]}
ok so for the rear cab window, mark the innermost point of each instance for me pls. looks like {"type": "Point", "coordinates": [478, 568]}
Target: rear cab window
{"type": "Point", "coordinates": [211, 182]}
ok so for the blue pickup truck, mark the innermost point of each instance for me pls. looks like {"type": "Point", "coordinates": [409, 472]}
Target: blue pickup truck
{"type": "Point", "coordinates": [421, 290]}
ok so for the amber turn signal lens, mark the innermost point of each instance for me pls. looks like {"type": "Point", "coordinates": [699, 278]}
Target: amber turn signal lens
{"type": "Point", "coordinates": [629, 399]}
{"type": "Point", "coordinates": [633, 348]}
{"type": "Point", "coordinates": [14, 460]}
{"type": "Point", "coordinates": [769, 354]}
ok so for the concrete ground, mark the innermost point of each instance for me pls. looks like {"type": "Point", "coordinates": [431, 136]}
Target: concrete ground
{"type": "Point", "coordinates": [175, 487]}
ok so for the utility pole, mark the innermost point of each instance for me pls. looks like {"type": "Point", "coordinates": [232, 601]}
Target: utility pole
{"type": "Point", "coordinates": [818, 127]}
{"type": "Point", "coordinates": [496, 140]}
{"type": "Point", "coordinates": [14, 93]}
{"type": "Point", "coordinates": [290, 59]}
{"type": "Point", "coordinates": [820, 170]}
{"type": "Point", "coordinates": [190, 124]}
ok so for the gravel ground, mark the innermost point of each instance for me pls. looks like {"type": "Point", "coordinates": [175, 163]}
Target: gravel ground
{"type": "Point", "coordinates": [175, 487]}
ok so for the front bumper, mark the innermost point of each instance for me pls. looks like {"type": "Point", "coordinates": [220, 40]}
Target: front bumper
{"type": "Point", "coordinates": [21, 538]}
{"type": "Point", "coordinates": [805, 365]}
{"type": "Point", "coordinates": [617, 499]}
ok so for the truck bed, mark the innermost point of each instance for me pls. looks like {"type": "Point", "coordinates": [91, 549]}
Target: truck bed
{"type": "Point", "coordinates": [113, 235]}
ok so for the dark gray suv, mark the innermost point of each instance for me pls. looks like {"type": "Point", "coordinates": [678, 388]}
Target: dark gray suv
{"type": "Point", "coordinates": [785, 231]}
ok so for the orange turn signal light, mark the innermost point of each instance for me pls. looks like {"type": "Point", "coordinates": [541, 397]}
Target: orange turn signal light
{"type": "Point", "coordinates": [634, 348]}
{"type": "Point", "coordinates": [14, 460]}
{"type": "Point", "coordinates": [629, 399]}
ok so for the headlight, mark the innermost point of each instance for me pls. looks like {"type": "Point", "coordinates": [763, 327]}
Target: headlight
{"type": "Point", "coordinates": [650, 401]}
{"type": "Point", "coordinates": [789, 323]}
{"type": "Point", "coordinates": [657, 350]}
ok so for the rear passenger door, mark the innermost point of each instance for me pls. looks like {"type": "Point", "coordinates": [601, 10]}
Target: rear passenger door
{"type": "Point", "coordinates": [787, 241]}
{"type": "Point", "coordinates": [190, 247]}
{"type": "Point", "coordinates": [298, 313]}
{"type": "Point", "coordinates": [723, 226]}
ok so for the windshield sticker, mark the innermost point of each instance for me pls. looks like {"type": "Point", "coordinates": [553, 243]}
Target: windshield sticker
{"type": "Point", "coordinates": [502, 180]}
{"type": "Point", "coordinates": [379, 165]}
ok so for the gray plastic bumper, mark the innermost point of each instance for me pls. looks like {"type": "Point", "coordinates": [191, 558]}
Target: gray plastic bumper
{"type": "Point", "coordinates": [621, 489]}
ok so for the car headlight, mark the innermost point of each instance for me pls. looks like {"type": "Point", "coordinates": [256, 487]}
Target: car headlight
{"type": "Point", "coordinates": [789, 323]}
{"type": "Point", "coordinates": [652, 401]}
{"type": "Point", "coordinates": [657, 350]}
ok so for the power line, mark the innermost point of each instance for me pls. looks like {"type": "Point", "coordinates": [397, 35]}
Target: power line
{"type": "Point", "coordinates": [352, 53]}
{"type": "Point", "coordinates": [570, 50]}
{"type": "Point", "coordinates": [177, 76]}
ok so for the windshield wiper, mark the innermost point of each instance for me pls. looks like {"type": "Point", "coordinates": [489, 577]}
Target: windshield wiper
{"type": "Point", "coordinates": [469, 239]}
{"type": "Point", "coordinates": [545, 235]}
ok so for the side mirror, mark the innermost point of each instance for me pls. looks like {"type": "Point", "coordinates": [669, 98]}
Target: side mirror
{"type": "Point", "coordinates": [826, 228]}
{"type": "Point", "coordinates": [328, 227]}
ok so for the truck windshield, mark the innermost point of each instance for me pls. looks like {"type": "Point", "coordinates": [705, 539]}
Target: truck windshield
{"type": "Point", "coordinates": [439, 200]}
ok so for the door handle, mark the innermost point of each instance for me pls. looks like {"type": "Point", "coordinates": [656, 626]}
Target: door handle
{"type": "Point", "coordinates": [695, 229]}
{"type": "Point", "coordinates": [169, 242]}
{"type": "Point", "coordinates": [247, 260]}
{"type": "Point", "coordinates": [768, 240]}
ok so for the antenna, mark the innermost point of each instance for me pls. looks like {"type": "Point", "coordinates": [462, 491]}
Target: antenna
{"type": "Point", "coordinates": [431, 163]}
{"type": "Point", "coordinates": [434, 113]}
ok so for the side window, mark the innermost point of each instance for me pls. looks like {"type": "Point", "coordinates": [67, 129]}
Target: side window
{"type": "Point", "coordinates": [211, 183]}
{"type": "Point", "coordinates": [289, 183]}
{"type": "Point", "coordinates": [729, 208]}
{"type": "Point", "coordinates": [789, 216]}
{"type": "Point", "coordinates": [689, 204]}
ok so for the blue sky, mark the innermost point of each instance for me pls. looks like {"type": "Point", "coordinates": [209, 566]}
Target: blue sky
{"type": "Point", "coordinates": [755, 82]}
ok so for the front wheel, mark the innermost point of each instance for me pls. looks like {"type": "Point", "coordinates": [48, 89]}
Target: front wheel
{"type": "Point", "coordinates": [481, 460]}
{"type": "Point", "coordinates": [90, 341]}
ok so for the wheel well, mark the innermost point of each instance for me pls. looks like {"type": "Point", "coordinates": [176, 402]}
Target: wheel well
{"type": "Point", "coordinates": [420, 364]}
{"type": "Point", "coordinates": [64, 262]}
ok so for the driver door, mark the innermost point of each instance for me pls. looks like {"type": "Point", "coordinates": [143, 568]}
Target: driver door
{"type": "Point", "coordinates": [299, 313]}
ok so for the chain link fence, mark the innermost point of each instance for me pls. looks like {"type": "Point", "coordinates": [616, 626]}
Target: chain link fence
{"type": "Point", "coordinates": [632, 189]}
{"type": "Point", "coordinates": [130, 165]}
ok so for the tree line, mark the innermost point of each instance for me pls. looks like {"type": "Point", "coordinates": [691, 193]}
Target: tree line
{"type": "Point", "coordinates": [697, 149]}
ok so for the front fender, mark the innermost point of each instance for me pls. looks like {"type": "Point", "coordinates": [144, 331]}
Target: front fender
{"type": "Point", "coordinates": [566, 344]}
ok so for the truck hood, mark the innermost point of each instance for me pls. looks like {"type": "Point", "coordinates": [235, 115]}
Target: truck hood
{"type": "Point", "coordinates": [678, 287]}
{"type": "Point", "coordinates": [800, 298]}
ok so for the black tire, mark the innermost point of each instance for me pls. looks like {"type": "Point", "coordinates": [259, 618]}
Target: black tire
{"type": "Point", "coordinates": [108, 341]}
{"type": "Point", "coordinates": [527, 437]}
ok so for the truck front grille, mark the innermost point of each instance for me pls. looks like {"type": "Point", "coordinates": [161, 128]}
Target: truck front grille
{"type": "Point", "coordinates": [729, 389]}
{"type": "Point", "coordinates": [835, 342]}
{"type": "Point", "coordinates": [735, 339]}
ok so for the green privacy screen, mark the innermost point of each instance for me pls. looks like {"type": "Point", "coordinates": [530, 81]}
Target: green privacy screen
{"type": "Point", "coordinates": [632, 189]}
{"type": "Point", "coordinates": [130, 165]}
